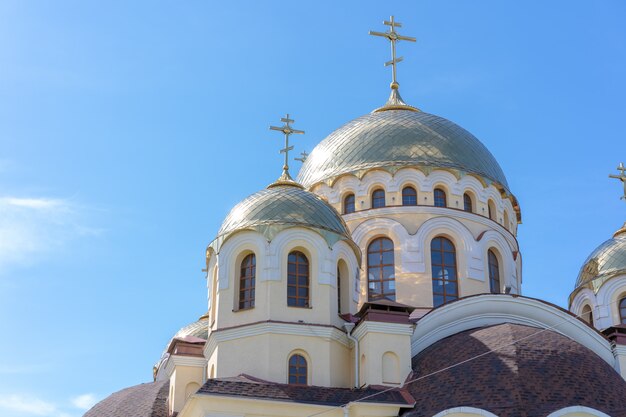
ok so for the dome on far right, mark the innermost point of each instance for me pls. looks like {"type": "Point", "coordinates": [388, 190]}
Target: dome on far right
{"type": "Point", "coordinates": [605, 262]}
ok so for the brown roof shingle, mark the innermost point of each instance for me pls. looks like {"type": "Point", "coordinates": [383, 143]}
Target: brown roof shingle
{"type": "Point", "coordinates": [250, 387]}
{"type": "Point", "coordinates": [537, 375]}
{"type": "Point", "coordinates": [144, 400]}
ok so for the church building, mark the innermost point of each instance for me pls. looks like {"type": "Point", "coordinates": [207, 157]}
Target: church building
{"type": "Point", "coordinates": [386, 280]}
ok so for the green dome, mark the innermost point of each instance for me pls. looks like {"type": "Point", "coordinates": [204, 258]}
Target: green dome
{"type": "Point", "coordinates": [607, 261]}
{"type": "Point", "coordinates": [399, 138]}
{"type": "Point", "coordinates": [282, 206]}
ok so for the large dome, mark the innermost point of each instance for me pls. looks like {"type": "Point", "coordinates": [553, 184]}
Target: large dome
{"type": "Point", "coordinates": [399, 138]}
{"type": "Point", "coordinates": [279, 207]}
{"type": "Point", "coordinates": [607, 261]}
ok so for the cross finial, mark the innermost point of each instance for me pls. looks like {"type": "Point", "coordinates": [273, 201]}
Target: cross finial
{"type": "Point", "coordinates": [621, 177]}
{"type": "Point", "coordinates": [393, 37]}
{"type": "Point", "coordinates": [287, 130]}
{"type": "Point", "coordinates": [303, 156]}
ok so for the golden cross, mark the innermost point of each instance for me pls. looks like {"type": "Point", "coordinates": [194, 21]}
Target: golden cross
{"type": "Point", "coordinates": [287, 130]}
{"type": "Point", "coordinates": [303, 156]}
{"type": "Point", "coordinates": [621, 177]}
{"type": "Point", "coordinates": [393, 37]}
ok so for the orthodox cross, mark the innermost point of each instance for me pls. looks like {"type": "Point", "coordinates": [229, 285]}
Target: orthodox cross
{"type": "Point", "coordinates": [393, 37]}
{"type": "Point", "coordinates": [287, 130]}
{"type": "Point", "coordinates": [303, 156]}
{"type": "Point", "coordinates": [621, 177]}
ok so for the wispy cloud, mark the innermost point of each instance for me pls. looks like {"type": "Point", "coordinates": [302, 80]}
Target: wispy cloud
{"type": "Point", "coordinates": [30, 406]}
{"type": "Point", "coordinates": [32, 228]}
{"type": "Point", "coordinates": [85, 401]}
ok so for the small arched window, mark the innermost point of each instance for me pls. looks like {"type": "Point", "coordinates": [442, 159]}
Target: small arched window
{"type": "Point", "coordinates": [622, 311]}
{"type": "Point", "coordinates": [507, 224]}
{"type": "Point", "coordinates": [381, 270]}
{"type": "Point", "coordinates": [467, 203]}
{"type": "Point", "coordinates": [494, 273]}
{"type": "Point", "coordinates": [440, 198]}
{"type": "Point", "coordinates": [247, 278]}
{"type": "Point", "coordinates": [443, 263]}
{"type": "Point", "coordinates": [587, 314]}
{"type": "Point", "coordinates": [378, 198]}
{"type": "Point", "coordinates": [491, 208]}
{"type": "Point", "coordinates": [348, 204]}
{"type": "Point", "coordinates": [409, 196]}
{"type": "Point", "coordinates": [297, 370]}
{"type": "Point", "coordinates": [297, 280]}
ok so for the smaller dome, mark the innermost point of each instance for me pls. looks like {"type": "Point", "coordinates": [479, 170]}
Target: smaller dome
{"type": "Point", "coordinates": [279, 207]}
{"type": "Point", "coordinates": [604, 263]}
{"type": "Point", "coordinates": [144, 400]}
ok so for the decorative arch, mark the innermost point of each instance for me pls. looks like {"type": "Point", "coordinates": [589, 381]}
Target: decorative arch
{"type": "Point", "coordinates": [585, 296]}
{"type": "Point", "coordinates": [344, 253]}
{"type": "Point", "coordinates": [231, 255]}
{"type": "Point", "coordinates": [378, 178]}
{"type": "Point", "coordinates": [479, 412]}
{"type": "Point", "coordinates": [587, 314]}
{"type": "Point", "coordinates": [391, 368]}
{"type": "Point", "coordinates": [471, 183]}
{"type": "Point", "coordinates": [310, 243]}
{"type": "Point", "coordinates": [609, 295]}
{"type": "Point", "coordinates": [504, 249]}
{"type": "Point", "coordinates": [444, 178]}
{"type": "Point", "coordinates": [191, 389]}
{"type": "Point", "coordinates": [492, 210]}
{"type": "Point", "coordinates": [411, 176]}
{"type": "Point", "coordinates": [577, 411]}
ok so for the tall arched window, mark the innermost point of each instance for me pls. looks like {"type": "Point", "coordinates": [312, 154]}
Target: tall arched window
{"type": "Point", "coordinates": [467, 203]}
{"type": "Point", "coordinates": [378, 198]}
{"type": "Point", "coordinates": [491, 208]}
{"type": "Point", "coordinates": [622, 311]}
{"type": "Point", "coordinates": [587, 314]}
{"type": "Point", "coordinates": [445, 281]}
{"type": "Point", "coordinates": [297, 280]}
{"type": "Point", "coordinates": [348, 204]}
{"type": "Point", "coordinates": [440, 198]}
{"type": "Point", "coordinates": [409, 196]}
{"type": "Point", "coordinates": [494, 273]}
{"type": "Point", "coordinates": [507, 224]}
{"type": "Point", "coordinates": [247, 282]}
{"type": "Point", "coordinates": [381, 270]}
{"type": "Point", "coordinates": [297, 370]}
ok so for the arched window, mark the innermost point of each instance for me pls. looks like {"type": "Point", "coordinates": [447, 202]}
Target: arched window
{"type": "Point", "coordinates": [445, 281]}
{"type": "Point", "coordinates": [381, 270]}
{"type": "Point", "coordinates": [297, 280]}
{"type": "Point", "coordinates": [247, 282]}
{"type": "Point", "coordinates": [409, 196]}
{"type": "Point", "coordinates": [297, 370]}
{"type": "Point", "coordinates": [494, 273]}
{"type": "Point", "coordinates": [506, 221]}
{"type": "Point", "coordinates": [467, 203]}
{"type": "Point", "coordinates": [491, 208]}
{"type": "Point", "coordinates": [622, 311]}
{"type": "Point", "coordinates": [378, 198]}
{"type": "Point", "coordinates": [440, 198]}
{"type": "Point", "coordinates": [348, 204]}
{"type": "Point", "coordinates": [587, 314]}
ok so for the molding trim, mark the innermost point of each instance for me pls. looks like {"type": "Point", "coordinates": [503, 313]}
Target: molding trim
{"type": "Point", "coordinates": [177, 360]}
{"type": "Point", "coordinates": [578, 409]}
{"type": "Point", "coordinates": [490, 309]}
{"type": "Point", "coordinates": [366, 327]}
{"type": "Point", "coordinates": [465, 410]}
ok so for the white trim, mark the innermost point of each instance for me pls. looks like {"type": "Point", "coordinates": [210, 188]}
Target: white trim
{"type": "Point", "coordinates": [578, 409]}
{"type": "Point", "coordinates": [177, 360]}
{"type": "Point", "coordinates": [467, 410]}
{"type": "Point", "coordinates": [491, 309]}
{"type": "Point", "coordinates": [366, 327]}
{"type": "Point", "coordinates": [257, 329]}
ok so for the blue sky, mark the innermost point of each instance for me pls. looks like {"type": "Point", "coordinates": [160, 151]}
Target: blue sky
{"type": "Point", "coordinates": [129, 129]}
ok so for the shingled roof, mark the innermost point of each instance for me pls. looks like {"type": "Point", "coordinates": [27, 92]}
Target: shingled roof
{"type": "Point", "coordinates": [144, 400]}
{"type": "Point", "coordinates": [539, 374]}
{"type": "Point", "coordinates": [250, 387]}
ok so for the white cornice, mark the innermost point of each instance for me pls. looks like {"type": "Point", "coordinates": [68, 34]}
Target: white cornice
{"type": "Point", "coordinates": [491, 309]}
{"type": "Point", "coordinates": [256, 329]}
{"type": "Point", "coordinates": [366, 327]}
{"type": "Point", "coordinates": [177, 360]}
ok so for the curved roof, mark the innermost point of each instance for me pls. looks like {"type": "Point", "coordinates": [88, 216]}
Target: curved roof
{"type": "Point", "coordinates": [529, 372]}
{"type": "Point", "coordinates": [606, 261]}
{"type": "Point", "coordinates": [144, 400]}
{"type": "Point", "coordinates": [399, 138]}
{"type": "Point", "coordinates": [198, 328]}
{"type": "Point", "coordinates": [279, 207]}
